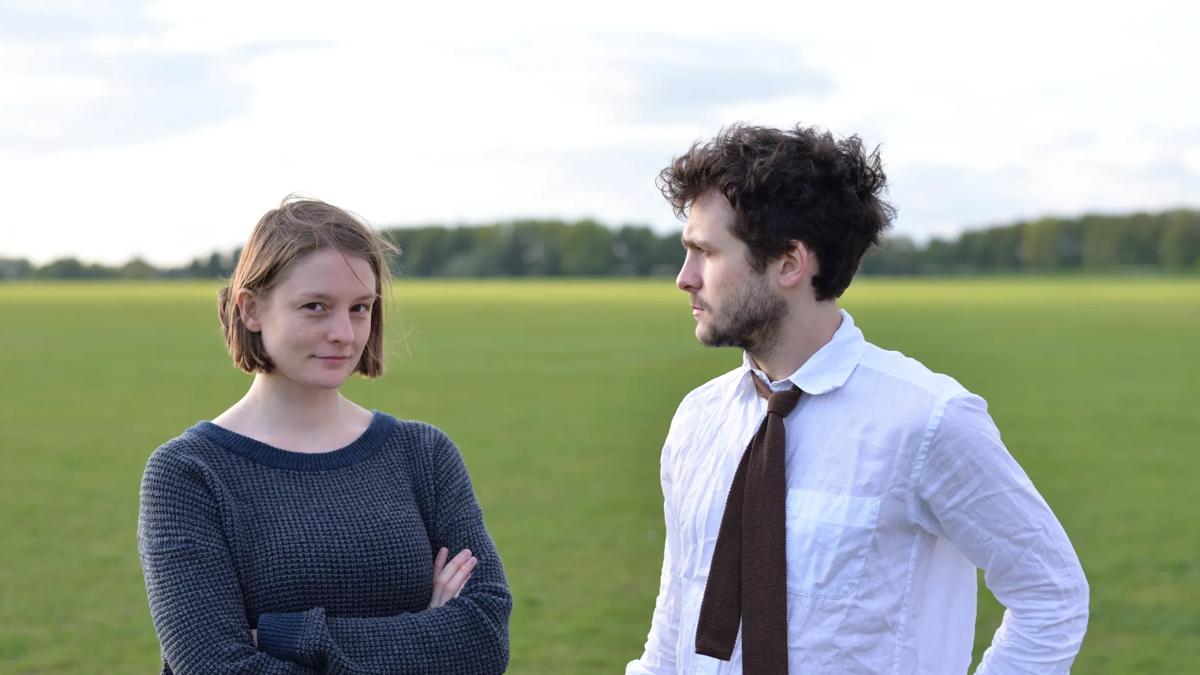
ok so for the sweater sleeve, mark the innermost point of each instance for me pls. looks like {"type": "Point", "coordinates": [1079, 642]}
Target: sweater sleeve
{"type": "Point", "coordinates": [194, 594]}
{"type": "Point", "coordinates": [468, 634]}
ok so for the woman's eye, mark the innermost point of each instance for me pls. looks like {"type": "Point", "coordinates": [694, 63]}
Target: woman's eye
{"type": "Point", "coordinates": [314, 306]}
{"type": "Point", "coordinates": [361, 308]}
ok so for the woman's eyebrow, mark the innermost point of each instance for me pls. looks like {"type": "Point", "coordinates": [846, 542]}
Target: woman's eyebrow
{"type": "Point", "coordinates": [328, 298]}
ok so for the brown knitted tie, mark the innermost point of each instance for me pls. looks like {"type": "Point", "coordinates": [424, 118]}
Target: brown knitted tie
{"type": "Point", "coordinates": [748, 576]}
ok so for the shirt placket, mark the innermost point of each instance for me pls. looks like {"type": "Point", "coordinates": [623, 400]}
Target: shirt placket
{"type": "Point", "coordinates": [726, 451]}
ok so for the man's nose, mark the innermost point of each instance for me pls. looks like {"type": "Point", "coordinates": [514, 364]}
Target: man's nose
{"type": "Point", "coordinates": [688, 279]}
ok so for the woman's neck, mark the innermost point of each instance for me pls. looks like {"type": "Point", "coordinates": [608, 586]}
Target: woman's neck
{"type": "Point", "coordinates": [279, 411]}
{"type": "Point", "coordinates": [292, 406]}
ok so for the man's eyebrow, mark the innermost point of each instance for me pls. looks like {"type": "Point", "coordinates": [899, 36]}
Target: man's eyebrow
{"type": "Point", "coordinates": [693, 242]}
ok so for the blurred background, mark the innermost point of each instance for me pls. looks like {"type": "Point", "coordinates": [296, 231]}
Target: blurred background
{"type": "Point", "coordinates": [1044, 159]}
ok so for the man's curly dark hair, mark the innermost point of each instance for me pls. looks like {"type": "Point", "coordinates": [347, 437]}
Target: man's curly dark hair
{"type": "Point", "coordinates": [795, 185]}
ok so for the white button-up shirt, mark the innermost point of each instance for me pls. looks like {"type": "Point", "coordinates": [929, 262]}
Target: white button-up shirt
{"type": "Point", "coordinates": [898, 489]}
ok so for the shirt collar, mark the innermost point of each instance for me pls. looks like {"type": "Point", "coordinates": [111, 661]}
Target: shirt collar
{"type": "Point", "coordinates": [825, 370]}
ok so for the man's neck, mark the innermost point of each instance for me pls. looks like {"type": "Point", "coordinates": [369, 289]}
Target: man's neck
{"type": "Point", "coordinates": [805, 331]}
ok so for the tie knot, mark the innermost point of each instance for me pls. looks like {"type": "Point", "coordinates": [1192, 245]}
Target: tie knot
{"type": "Point", "coordinates": [778, 402]}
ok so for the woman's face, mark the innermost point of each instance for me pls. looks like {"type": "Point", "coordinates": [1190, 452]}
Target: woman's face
{"type": "Point", "coordinates": [315, 322]}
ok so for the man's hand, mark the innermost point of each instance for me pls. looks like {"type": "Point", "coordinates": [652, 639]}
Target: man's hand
{"type": "Point", "coordinates": [450, 577]}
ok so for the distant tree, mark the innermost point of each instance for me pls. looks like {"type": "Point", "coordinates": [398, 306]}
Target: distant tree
{"type": "Point", "coordinates": [587, 249]}
{"type": "Point", "coordinates": [633, 251]}
{"type": "Point", "coordinates": [1179, 247]}
{"type": "Point", "coordinates": [539, 244]}
{"type": "Point", "coordinates": [895, 255]}
{"type": "Point", "coordinates": [214, 268]}
{"type": "Point", "coordinates": [62, 268]}
{"type": "Point", "coordinates": [15, 268]}
{"type": "Point", "coordinates": [941, 257]}
{"type": "Point", "coordinates": [138, 269]}
{"type": "Point", "coordinates": [1050, 244]}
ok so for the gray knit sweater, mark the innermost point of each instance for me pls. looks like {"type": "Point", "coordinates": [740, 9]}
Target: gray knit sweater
{"type": "Point", "coordinates": [330, 555]}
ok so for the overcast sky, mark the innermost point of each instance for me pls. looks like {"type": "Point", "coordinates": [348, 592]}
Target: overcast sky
{"type": "Point", "coordinates": [165, 129]}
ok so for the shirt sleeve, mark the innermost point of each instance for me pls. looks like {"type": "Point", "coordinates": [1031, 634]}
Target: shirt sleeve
{"type": "Point", "coordinates": [973, 493]}
{"type": "Point", "coordinates": [469, 634]}
{"type": "Point", "coordinates": [193, 591]}
{"type": "Point", "coordinates": [658, 656]}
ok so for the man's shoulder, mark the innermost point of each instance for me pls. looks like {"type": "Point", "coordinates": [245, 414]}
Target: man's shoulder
{"type": "Point", "coordinates": [906, 372]}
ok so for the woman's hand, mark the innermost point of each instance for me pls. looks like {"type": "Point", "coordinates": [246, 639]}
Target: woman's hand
{"type": "Point", "coordinates": [450, 577]}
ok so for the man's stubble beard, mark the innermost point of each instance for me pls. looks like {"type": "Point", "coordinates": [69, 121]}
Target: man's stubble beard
{"type": "Point", "coordinates": [750, 321]}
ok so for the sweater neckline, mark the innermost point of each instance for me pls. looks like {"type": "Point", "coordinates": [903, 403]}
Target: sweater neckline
{"type": "Point", "coordinates": [362, 448]}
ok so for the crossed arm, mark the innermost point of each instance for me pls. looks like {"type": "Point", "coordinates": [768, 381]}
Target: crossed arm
{"type": "Point", "coordinates": [200, 616]}
{"type": "Point", "coordinates": [449, 576]}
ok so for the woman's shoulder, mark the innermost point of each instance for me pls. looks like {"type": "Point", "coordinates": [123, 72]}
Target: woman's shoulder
{"type": "Point", "coordinates": [190, 446]}
{"type": "Point", "coordinates": [189, 458]}
{"type": "Point", "coordinates": [410, 432]}
{"type": "Point", "coordinates": [417, 438]}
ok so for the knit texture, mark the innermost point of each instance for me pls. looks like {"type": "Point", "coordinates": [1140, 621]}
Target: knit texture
{"type": "Point", "coordinates": [329, 555]}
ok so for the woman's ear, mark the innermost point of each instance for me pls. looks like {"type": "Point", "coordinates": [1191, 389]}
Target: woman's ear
{"type": "Point", "coordinates": [796, 265]}
{"type": "Point", "coordinates": [247, 304]}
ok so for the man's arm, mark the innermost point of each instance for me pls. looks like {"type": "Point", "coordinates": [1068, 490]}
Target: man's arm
{"type": "Point", "coordinates": [972, 492]}
{"type": "Point", "coordinates": [658, 656]}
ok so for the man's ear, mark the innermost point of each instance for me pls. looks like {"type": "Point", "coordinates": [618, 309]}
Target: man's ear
{"type": "Point", "coordinates": [248, 308]}
{"type": "Point", "coordinates": [797, 265]}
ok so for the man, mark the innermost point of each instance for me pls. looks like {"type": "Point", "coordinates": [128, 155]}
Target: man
{"type": "Point", "coordinates": [841, 532]}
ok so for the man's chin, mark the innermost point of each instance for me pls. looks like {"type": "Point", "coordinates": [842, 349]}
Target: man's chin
{"type": "Point", "coordinates": [710, 339]}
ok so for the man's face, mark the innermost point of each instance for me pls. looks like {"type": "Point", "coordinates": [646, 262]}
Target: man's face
{"type": "Point", "coordinates": [734, 306]}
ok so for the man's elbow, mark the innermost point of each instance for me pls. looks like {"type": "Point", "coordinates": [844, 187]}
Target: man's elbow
{"type": "Point", "coordinates": [1077, 596]}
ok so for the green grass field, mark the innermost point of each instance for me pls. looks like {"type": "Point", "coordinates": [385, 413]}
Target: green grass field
{"type": "Point", "coordinates": [559, 394]}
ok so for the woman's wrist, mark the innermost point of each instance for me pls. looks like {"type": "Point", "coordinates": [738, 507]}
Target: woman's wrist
{"type": "Point", "coordinates": [279, 634]}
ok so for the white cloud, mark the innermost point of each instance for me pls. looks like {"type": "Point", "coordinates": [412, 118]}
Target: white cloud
{"type": "Point", "coordinates": [166, 128]}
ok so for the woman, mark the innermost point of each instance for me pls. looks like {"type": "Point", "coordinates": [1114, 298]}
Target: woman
{"type": "Point", "coordinates": [326, 527]}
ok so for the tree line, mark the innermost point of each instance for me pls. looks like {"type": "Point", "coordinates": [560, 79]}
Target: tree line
{"type": "Point", "coordinates": [1168, 241]}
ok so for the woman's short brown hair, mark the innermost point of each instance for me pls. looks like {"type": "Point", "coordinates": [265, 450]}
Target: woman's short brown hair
{"type": "Point", "coordinates": [284, 235]}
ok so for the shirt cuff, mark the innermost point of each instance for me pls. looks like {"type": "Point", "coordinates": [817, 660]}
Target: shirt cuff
{"type": "Point", "coordinates": [279, 634]}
